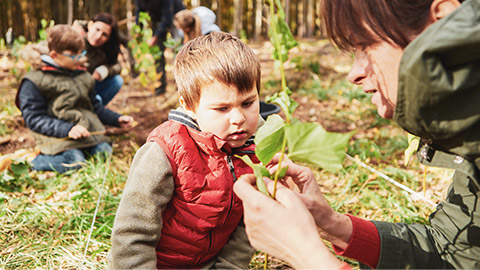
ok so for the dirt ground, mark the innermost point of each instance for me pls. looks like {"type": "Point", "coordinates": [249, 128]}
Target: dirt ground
{"type": "Point", "coordinates": [149, 110]}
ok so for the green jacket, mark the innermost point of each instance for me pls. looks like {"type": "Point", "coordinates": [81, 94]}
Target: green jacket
{"type": "Point", "coordinates": [67, 96]}
{"type": "Point", "coordinates": [439, 100]}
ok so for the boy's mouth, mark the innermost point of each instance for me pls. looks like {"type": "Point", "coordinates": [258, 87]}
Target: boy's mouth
{"type": "Point", "coordinates": [239, 135]}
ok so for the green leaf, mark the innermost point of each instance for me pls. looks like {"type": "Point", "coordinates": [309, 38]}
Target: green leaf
{"type": "Point", "coordinates": [20, 168]}
{"type": "Point", "coordinates": [269, 138]}
{"type": "Point", "coordinates": [259, 171]}
{"type": "Point", "coordinates": [283, 99]}
{"type": "Point", "coordinates": [310, 143]}
{"type": "Point", "coordinates": [413, 142]}
{"type": "Point", "coordinates": [281, 38]}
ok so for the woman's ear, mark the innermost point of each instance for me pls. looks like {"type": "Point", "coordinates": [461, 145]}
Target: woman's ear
{"type": "Point", "coordinates": [441, 8]}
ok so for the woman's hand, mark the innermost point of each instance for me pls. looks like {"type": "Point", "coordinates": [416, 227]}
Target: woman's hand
{"type": "Point", "coordinates": [334, 227]}
{"type": "Point", "coordinates": [284, 227]}
{"type": "Point", "coordinates": [78, 132]}
{"type": "Point", "coordinates": [125, 121]}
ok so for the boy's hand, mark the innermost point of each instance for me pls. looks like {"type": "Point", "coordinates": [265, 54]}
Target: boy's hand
{"type": "Point", "coordinates": [78, 132]}
{"type": "Point", "coordinates": [96, 76]}
{"type": "Point", "coordinates": [125, 121]}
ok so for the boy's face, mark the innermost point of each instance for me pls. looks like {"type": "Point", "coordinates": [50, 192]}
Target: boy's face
{"type": "Point", "coordinates": [226, 113]}
{"type": "Point", "coordinates": [68, 59]}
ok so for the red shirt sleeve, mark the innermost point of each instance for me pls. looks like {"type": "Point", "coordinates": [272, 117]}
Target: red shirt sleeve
{"type": "Point", "coordinates": [364, 244]}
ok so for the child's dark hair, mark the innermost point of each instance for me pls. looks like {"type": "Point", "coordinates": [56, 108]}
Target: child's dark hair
{"type": "Point", "coordinates": [218, 56]}
{"type": "Point", "coordinates": [111, 48]}
{"type": "Point", "coordinates": [62, 37]}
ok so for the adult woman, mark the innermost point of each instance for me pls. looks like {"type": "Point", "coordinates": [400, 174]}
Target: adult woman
{"type": "Point", "coordinates": [422, 71]}
{"type": "Point", "coordinates": [103, 46]}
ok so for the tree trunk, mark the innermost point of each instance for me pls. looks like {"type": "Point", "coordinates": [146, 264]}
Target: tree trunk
{"type": "Point", "coordinates": [287, 11]}
{"type": "Point", "coordinates": [70, 12]}
{"type": "Point", "coordinates": [258, 19]}
{"type": "Point", "coordinates": [129, 16]}
{"type": "Point", "coordinates": [237, 16]}
{"type": "Point", "coordinates": [219, 12]}
{"type": "Point", "coordinates": [310, 15]}
{"type": "Point", "coordinates": [300, 18]}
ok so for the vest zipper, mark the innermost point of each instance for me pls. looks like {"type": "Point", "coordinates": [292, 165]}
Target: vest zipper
{"type": "Point", "coordinates": [208, 249]}
{"type": "Point", "coordinates": [232, 169]}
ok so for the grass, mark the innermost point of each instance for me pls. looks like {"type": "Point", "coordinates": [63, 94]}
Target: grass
{"type": "Point", "coordinates": [45, 218]}
{"type": "Point", "coordinates": [46, 222]}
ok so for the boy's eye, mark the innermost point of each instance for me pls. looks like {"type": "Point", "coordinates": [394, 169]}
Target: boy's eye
{"type": "Point", "coordinates": [221, 109]}
{"type": "Point", "coordinates": [247, 104]}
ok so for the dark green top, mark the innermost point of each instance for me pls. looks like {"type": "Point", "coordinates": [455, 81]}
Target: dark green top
{"type": "Point", "coordinates": [439, 100]}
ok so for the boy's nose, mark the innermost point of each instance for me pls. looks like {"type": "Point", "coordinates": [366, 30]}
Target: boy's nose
{"type": "Point", "coordinates": [237, 117]}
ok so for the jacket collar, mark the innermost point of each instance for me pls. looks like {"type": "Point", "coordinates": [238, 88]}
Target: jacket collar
{"type": "Point", "coordinates": [51, 65]}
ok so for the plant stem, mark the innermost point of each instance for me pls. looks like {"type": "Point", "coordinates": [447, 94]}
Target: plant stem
{"type": "Point", "coordinates": [277, 45]}
{"type": "Point", "coordinates": [277, 172]}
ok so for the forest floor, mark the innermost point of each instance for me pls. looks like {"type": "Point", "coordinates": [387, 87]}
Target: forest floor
{"type": "Point", "coordinates": [46, 216]}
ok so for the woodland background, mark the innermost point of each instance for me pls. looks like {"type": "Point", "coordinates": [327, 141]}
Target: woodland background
{"type": "Point", "coordinates": [246, 18]}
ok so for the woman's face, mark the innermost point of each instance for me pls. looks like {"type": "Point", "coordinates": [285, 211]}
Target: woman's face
{"type": "Point", "coordinates": [98, 33]}
{"type": "Point", "coordinates": [376, 69]}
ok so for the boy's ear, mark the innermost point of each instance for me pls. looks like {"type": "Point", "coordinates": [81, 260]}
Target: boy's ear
{"type": "Point", "coordinates": [89, 24]}
{"type": "Point", "coordinates": [184, 106]}
{"type": "Point", "coordinates": [53, 53]}
{"type": "Point", "coordinates": [441, 8]}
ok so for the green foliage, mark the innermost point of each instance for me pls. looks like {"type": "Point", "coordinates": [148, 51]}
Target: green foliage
{"type": "Point", "coordinates": [280, 34]}
{"type": "Point", "coordinates": [145, 55]}
{"type": "Point", "coordinates": [174, 44]}
{"type": "Point", "coordinates": [301, 142]}
{"type": "Point", "coordinates": [18, 44]}
{"type": "Point", "coordinates": [42, 33]}
{"type": "Point", "coordinates": [17, 178]}
{"type": "Point", "coordinates": [3, 46]}
{"type": "Point", "coordinates": [413, 142]}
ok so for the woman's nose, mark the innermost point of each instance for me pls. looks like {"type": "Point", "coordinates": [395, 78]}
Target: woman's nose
{"type": "Point", "coordinates": [357, 74]}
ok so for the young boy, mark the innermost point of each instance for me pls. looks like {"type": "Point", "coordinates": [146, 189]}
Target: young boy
{"type": "Point", "coordinates": [178, 209]}
{"type": "Point", "coordinates": [58, 101]}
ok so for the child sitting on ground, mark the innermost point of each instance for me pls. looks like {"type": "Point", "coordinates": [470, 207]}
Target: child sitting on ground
{"type": "Point", "coordinates": [58, 101]}
{"type": "Point", "coordinates": [178, 209]}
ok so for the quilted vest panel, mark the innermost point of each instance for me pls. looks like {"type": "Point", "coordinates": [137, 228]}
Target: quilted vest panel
{"type": "Point", "coordinates": [204, 211]}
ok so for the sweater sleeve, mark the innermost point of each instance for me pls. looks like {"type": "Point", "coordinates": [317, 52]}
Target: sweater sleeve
{"type": "Point", "coordinates": [237, 253]}
{"type": "Point", "coordinates": [138, 222]}
{"type": "Point", "coordinates": [364, 244]}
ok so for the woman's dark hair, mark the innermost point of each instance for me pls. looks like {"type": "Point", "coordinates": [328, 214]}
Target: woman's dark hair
{"type": "Point", "coordinates": [111, 48]}
{"type": "Point", "coordinates": [351, 23]}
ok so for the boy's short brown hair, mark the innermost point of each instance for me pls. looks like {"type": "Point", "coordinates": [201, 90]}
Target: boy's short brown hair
{"type": "Point", "coordinates": [62, 37]}
{"type": "Point", "coordinates": [217, 56]}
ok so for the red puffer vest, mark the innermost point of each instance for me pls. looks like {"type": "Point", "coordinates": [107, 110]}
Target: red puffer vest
{"type": "Point", "coordinates": [203, 211]}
